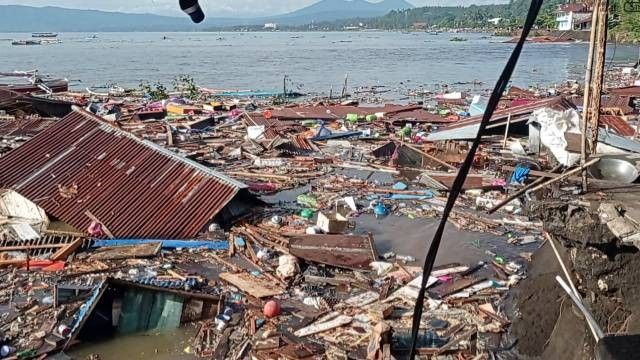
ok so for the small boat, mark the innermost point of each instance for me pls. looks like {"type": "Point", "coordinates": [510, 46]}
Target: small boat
{"type": "Point", "coordinates": [259, 94]}
{"type": "Point", "coordinates": [38, 86]}
{"type": "Point", "coordinates": [26, 42]}
{"type": "Point", "coordinates": [44, 34]}
{"type": "Point", "coordinates": [50, 41]}
{"type": "Point", "coordinates": [458, 39]}
{"type": "Point", "coordinates": [91, 37]}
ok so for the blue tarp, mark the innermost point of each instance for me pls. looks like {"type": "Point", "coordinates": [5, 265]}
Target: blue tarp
{"type": "Point", "coordinates": [166, 244]}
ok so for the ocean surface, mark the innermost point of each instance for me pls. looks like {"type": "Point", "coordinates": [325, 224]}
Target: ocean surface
{"type": "Point", "coordinates": [314, 62]}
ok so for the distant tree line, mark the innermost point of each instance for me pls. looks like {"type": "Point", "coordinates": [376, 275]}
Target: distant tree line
{"type": "Point", "coordinates": [623, 24]}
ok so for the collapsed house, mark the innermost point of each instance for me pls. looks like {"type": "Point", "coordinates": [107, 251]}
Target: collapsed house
{"type": "Point", "coordinates": [83, 171]}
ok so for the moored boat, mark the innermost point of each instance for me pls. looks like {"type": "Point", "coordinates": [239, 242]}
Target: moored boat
{"type": "Point", "coordinates": [44, 34]}
{"type": "Point", "coordinates": [33, 83]}
{"type": "Point", "coordinates": [26, 42]}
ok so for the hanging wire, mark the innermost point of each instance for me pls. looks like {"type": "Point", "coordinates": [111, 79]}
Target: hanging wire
{"type": "Point", "coordinates": [498, 90]}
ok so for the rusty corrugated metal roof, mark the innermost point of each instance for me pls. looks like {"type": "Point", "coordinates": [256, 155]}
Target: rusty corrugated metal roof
{"type": "Point", "coordinates": [8, 97]}
{"type": "Point", "coordinates": [633, 91]}
{"type": "Point", "coordinates": [334, 112]}
{"type": "Point", "coordinates": [134, 187]}
{"type": "Point", "coordinates": [24, 127]}
{"type": "Point", "coordinates": [557, 103]}
{"type": "Point", "coordinates": [618, 124]}
{"type": "Point", "coordinates": [608, 102]}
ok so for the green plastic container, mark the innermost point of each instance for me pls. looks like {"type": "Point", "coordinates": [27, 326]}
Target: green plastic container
{"type": "Point", "coordinates": [309, 201]}
{"type": "Point", "coordinates": [306, 213]}
{"type": "Point", "coordinates": [371, 117]}
{"type": "Point", "coordinates": [352, 117]}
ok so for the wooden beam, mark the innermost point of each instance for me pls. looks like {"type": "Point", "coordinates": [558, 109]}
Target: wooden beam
{"type": "Point", "coordinates": [587, 98]}
{"type": "Point", "coordinates": [67, 250]}
{"type": "Point", "coordinates": [104, 227]}
{"type": "Point", "coordinates": [430, 157]}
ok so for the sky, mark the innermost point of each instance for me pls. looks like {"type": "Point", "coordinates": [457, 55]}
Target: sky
{"type": "Point", "coordinates": [213, 8]}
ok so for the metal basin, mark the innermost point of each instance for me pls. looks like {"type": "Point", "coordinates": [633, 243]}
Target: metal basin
{"type": "Point", "coordinates": [614, 169]}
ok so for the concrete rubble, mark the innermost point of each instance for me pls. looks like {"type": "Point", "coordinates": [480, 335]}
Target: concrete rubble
{"type": "Point", "coordinates": [244, 216]}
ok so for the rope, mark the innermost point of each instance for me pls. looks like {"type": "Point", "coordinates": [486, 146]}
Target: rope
{"type": "Point", "coordinates": [498, 90]}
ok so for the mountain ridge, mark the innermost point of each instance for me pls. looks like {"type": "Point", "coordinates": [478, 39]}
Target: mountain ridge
{"type": "Point", "coordinates": [20, 18]}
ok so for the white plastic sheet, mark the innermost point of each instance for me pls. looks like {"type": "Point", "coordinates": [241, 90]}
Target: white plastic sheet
{"type": "Point", "coordinates": [553, 125]}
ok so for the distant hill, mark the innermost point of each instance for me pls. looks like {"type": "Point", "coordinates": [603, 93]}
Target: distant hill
{"type": "Point", "coordinates": [329, 10]}
{"type": "Point", "coordinates": [18, 18]}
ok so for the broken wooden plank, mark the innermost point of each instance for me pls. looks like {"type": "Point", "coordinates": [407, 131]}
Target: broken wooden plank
{"type": "Point", "coordinates": [345, 251]}
{"type": "Point", "coordinates": [449, 288]}
{"type": "Point", "coordinates": [363, 299]}
{"type": "Point", "coordinates": [67, 250]}
{"type": "Point", "coordinates": [253, 286]}
{"type": "Point", "coordinates": [223, 345]}
{"type": "Point", "coordinates": [127, 251]}
{"type": "Point", "coordinates": [316, 328]}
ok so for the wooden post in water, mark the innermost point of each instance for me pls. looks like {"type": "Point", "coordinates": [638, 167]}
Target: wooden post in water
{"type": "Point", "coordinates": [344, 87]}
{"type": "Point", "coordinates": [284, 88]}
{"type": "Point", "coordinates": [586, 98]}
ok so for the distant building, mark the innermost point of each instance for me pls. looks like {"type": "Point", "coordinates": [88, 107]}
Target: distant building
{"type": "Point", "coordinates": [494, 21]}
{"type": "Point", "coordinates": [573, 16]}
{"type": "Point", "coordinates": [419, 25]}
{"type": "Point", "coordinates": [271, 26]}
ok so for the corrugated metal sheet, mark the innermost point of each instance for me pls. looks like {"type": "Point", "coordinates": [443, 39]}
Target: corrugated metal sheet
{"type": "Point", "coordinates": [24, 127]}
{"type": "Point", "coordinates": [499, 116]}
{"type": "Point", "coordinates": [334, 112]}
{"type": "Point", "coordinates": [467, 129]}
{"type": "Point", "coordinates": [608, 102]}
{"type": "Point", "coordinates": [273, 126]}
{"type": "Point", "coordinates": [8, 96]}
{"type": "Point", "coordinates": [633, 91]}
{"type": "Point", "coordinates": [134, 187]}
{"type": "Point", "coordinates": [617, 124]}
{"type": "Point", "coordinates": [417, 116]}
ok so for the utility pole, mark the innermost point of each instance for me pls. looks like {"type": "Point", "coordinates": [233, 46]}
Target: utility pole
{"type": "Point", "coordinates": [593, 81]}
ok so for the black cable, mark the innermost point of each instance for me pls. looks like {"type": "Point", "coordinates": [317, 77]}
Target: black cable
{"type": "Point", "coordinates": [498, 90]}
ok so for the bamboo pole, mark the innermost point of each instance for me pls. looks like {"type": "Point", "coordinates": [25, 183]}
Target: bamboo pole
{"type": "Point", "coordinates": [598, 71]}
{"type": "Point", "coordinates": [565, 175]}
{"type": "Point", "coordinates": [586, 96]}
{"type": "Point", "coordinates": [506, 131]}
{"type": "Point", "coordinates": [519, 192]}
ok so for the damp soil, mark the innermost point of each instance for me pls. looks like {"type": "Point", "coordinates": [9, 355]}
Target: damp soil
{"type": "Point", "coordinates": [546, 324]}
